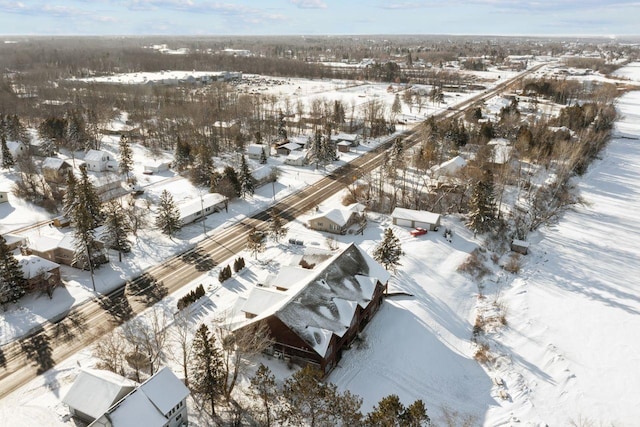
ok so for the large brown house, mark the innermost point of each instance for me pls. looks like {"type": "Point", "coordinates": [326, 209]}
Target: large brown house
{"type": "Point", "coordinates": [315, 316]}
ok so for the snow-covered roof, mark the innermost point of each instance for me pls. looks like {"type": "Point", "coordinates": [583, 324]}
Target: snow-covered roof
{"type": "Point", "coordinates": [54, 163]}
{"type": "Point", "coordinates": [325, 303]}
{"type": "Point", "coordinates": [291, 146]}
{"type": "Point", "coordinates": [10, 239]}
{"type": "Point", "coordinates": [165, 390]}
{"type": "Point", "coordinates": [349, 137]}
{"type": "Point", "coordinates": [289, 276]}
{"type": "Point", "coordinates": [520, 243]}
{"type": "Point", "coordinates": [33, 265]}
{"type": "Point", "coordinates": [450, 166]}
{"type": "Point", "coordinates": [501, 150]}
{"type": "Point", "coordinates": [414, 215]}
{"type": "Point", "coordinates": [256, 148]}
{"type": "Point", "coordinates": [294, 155]}
{"type": "Point", "coordinates": [208, 200]}
{"type": "Point", "coordinates": [94, 155]}
{"type": "Point", "coordinates": [340, 216]}
{"type": "Point", "coordinates": [44, 243]}
{"type": "Point", "coordinates": [302, 140]}
{"type": "Point", "coordinates": [95, 391]}
{"type": "Point", "coordinates": [344, 143]}
{"type": "Point", "coordinates": [136, 410]}
{"type": "Point", "coordinates": [261, 299]}
{"type": "Point", "coordinates": [150, 402]}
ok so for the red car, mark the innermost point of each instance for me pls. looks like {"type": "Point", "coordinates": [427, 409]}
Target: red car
{"type": "Point", "coordinates": [419, 231]}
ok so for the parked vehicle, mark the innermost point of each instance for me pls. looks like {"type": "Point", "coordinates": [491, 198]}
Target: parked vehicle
{"type": "Point", "coordinates": [419, 231]}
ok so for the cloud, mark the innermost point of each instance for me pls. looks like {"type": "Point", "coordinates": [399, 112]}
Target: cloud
{"type": "Point", "coordinates": [309, 4]}
{"type": "Point", "coordinates": [534, 6]}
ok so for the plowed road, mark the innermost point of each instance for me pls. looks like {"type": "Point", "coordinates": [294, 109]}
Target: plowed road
{"type": "Point", "coordinates": [24, 359]}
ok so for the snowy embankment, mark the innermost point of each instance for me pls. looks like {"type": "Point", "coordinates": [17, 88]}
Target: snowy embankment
{"type": "Point", "coordinates": [570, 350]}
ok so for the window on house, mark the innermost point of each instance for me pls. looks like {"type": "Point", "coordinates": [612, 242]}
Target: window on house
{"type": "Point", "coordinates": [320, 224]}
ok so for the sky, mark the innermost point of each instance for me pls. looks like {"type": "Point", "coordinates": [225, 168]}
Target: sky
{"type": "Point", "coordinates": [307, 17]}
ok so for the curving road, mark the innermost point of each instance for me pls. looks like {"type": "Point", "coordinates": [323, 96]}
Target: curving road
{"type": "Point", "coordinates": [24, 359]}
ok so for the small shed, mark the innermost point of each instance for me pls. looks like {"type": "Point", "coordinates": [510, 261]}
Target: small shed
{"type": "Point", "coordinates": [520, 246]}
{"type": "Point", "coordinates": [156, 167]}
{"type": "Point", "coordinates": [415, 218]}
{"type": "Point", "coordinates": [344, 146]}
{"type": "Point", "coordinates": [55, 169]}
{"type": "Point", "coordinates": [14, 241]}
{"type": "Point", "coordinates": [4, 196]}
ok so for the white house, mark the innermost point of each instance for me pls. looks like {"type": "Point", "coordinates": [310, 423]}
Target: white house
{"type": "Point", "coordinates": [414, 218]}
{"type": "Point", "coordinates": [201, 207]}
{"type": "Point", "coordinates": [255, 151]}
{"type": "Point", "coordinates": [94, 391]}
{"type": "Point", "coordinates": [161, 401]}
{"type": "Point", "coordinates": [17, 149]}
{"type": "Point", "coordinates": [501, 150]}
{"type": "Point", "coordinates": [296, 158]}
{"type": "Point", "coordinates": [100, 161]}
{"type": "Point", "coordinates": [4, 196]}
{"type": "Point", "coordinates": [352, 138]}
{"type": "Point", "coordinates": [338, 220]}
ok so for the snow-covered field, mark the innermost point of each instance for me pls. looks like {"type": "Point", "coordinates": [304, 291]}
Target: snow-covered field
{"type": "Point", "coordinates": [570, 351]}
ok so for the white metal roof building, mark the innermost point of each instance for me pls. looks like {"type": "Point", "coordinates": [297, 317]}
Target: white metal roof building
{"type": "Point", "coordinates": [414, 218]}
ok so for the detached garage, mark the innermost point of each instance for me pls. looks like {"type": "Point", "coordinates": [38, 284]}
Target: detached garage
{"type": "Point", "coordinates": [412, 218]}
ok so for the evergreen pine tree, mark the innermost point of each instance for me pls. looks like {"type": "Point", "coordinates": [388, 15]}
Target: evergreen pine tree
{"type": "Point", "coordinates": [168, 218]}
{"type": "Point", "coordinates": [88, 198]}
{"type": "Point", "coordinates": [265, 391]}
{"type": "Point", "coordinates": [203, 167]}
{"type": "Point", "coordinates": [12, 281]}
{"type": "Point", "coordinates": [415, 415]}
{"type": "Point", "coordinates": [70, 200]}
{"type": "Point", "coordinates": [16, 131]}
{"type": "Point", "coordinates": [277, 230]}
{"type": "Point", "coordinates": [182, 155]}
{"type": "Point", "coordinates": [482, 210]}
{"type": "Point", "coordinates": [388, 412]}
{"type": "Point", "coordinates": [126, 157]}
{"type": "Point", "coordinates": [86, 214]}
{"type": "Point", "coordinates": [231, 176]}
{"type": "Point", "coordinates": [117, 228]}
{"type": "Point", "coordinates": [206, 367]}
{"type": "Point", "coordinates": [7, 158]}
{"type": "Point", "coordinates": [388, 252]}
{"type": "Point", "coordinates": [247, 186]}
{"type": "Point", "coordinates": [282, 126]}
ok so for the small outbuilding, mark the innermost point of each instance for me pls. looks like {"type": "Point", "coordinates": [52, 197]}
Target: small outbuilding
{"type": "Point", "coordinates": [520, 246]}
{"type": "Point", "coordinates": [4, 196]}
{"type": "Point", "coordinates": [55, 169]}
{"type": "Point", "coordinates": [156, 167]}
{"type": "Point", "coordinates": [415, 218]}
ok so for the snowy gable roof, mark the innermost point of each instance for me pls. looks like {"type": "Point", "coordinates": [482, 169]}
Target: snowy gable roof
{"type": "Point", "coordinates": [257, 149]}
{"type": "Point", "coordinates": [262, 299]}
{"type": "Point", "coordinates": [291, 146]}
{"type": "Point", "coordinates": [149, 403]}
{"type": "Point", "coordinates": [450, 166]}
{"type": "Point", "coordinates": [136, 410]}
{"type": "Point", "coordinates": [415, 215]}
{"type": "Point", "coordinates": [197, 204]}
{"type": "Point", "coordinates": [54, 163]}
{"type": "Point", "coordinates": [329, 300]}
{"type": "Point", "coordinates": [165, 390]}
{"type": "Point", "coordinates": [15, 147]}
{"type": "Point", "coordinates": [94, 391]}
{"type": "Point", "coordinates": [341, 215]}
{"type": "Point", "coordinates": [33, 265]}
{"type": "Point", "coordinates": [95, 156]}
{"type": "Point", "coordinates": [289, 276]}
{"type": "Point", "coordinates": [349, 137]}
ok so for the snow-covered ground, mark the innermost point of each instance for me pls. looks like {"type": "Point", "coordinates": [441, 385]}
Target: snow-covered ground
{"type": "Point", "coordinates": [569, 350]}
